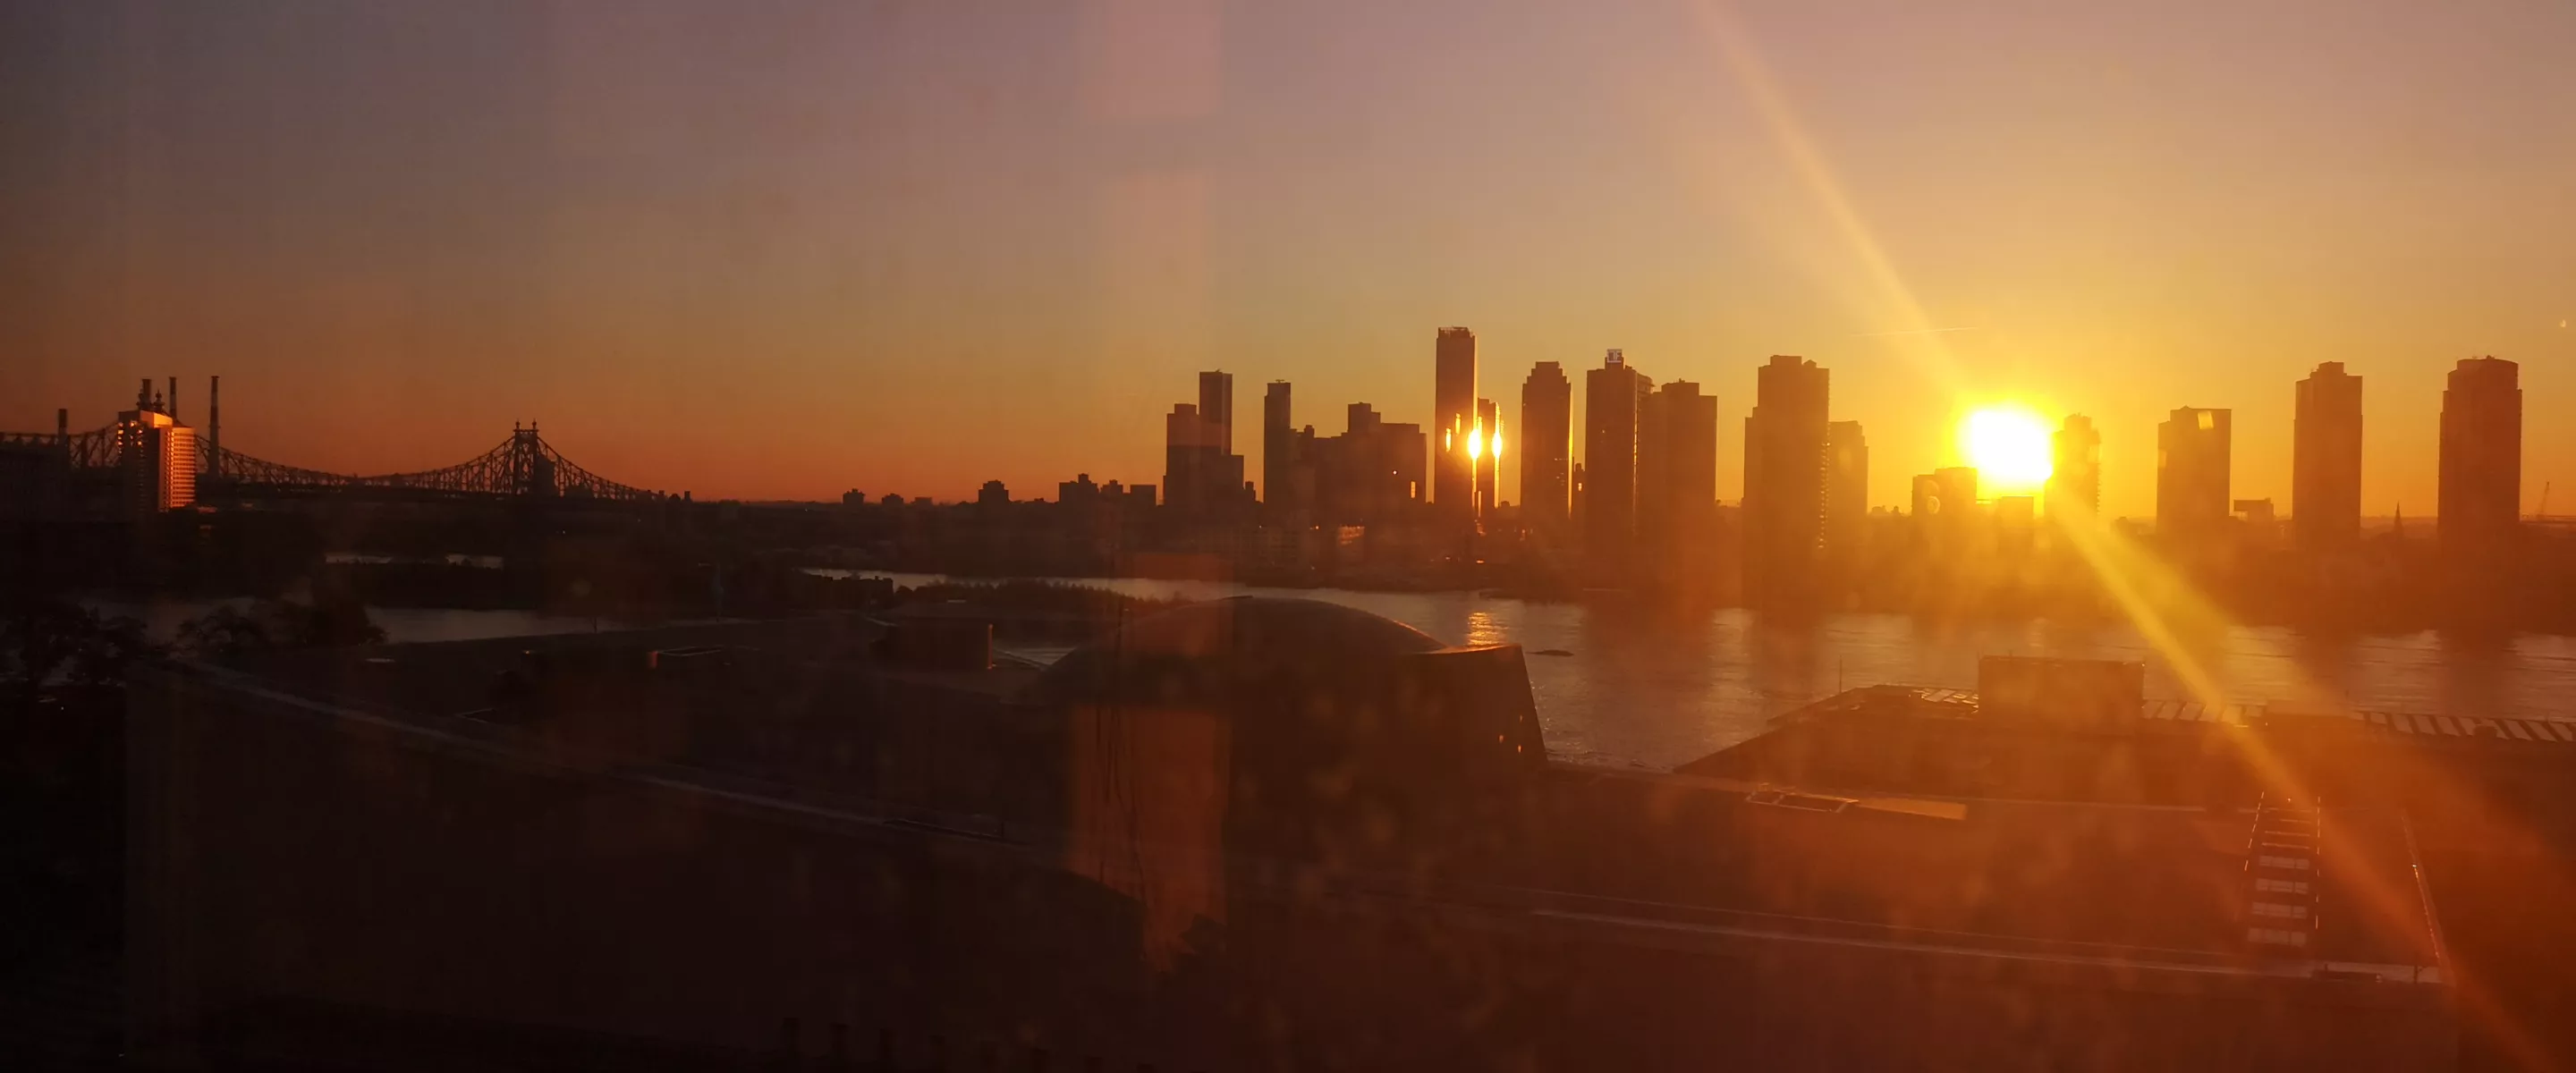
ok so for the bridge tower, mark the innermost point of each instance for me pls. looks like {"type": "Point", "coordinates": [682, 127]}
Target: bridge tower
{"type": "Point", "coordinates": [532, 467]}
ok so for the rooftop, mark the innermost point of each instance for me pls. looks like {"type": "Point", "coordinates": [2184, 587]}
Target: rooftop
{"type": "Point", "coordinates": [2122, 883]}
{"type": "Point", "coordinates": [790, 705]}
{"type": "Point", "coordinates": [1934, 702]}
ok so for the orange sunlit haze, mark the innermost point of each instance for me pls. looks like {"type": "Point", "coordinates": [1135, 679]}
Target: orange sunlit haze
{"type": "Point", "coordinates": [982, 534]}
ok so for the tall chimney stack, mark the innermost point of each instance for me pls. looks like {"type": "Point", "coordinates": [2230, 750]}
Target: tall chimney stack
{"type": "Point", "coordinates": [173, 400]}
{"type": "Point", "coordinates": [215, 415]}
{"type": "Point", "coordinates": [143, 395]}
{"type": "Point", "coordinates": [63, 424]}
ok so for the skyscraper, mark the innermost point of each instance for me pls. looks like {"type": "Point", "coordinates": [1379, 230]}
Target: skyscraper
{"type": "Point", "coordinates": [2481, 493]}
{"type": "Point", "coordinates": [1278, 448]}
{"type": "Point", "coordinates": [1650, 478]}
{"type": "Point", "coordinates": [2192, 452]}
{"type": "Point", "coordinates": [2325, 460]}
{"type": "Point", "coordinates": [1486, 451]}
{"type": "Point", "coordinates": [1200, 469]}
{"type": "Point", "coordinates": [1453, 418]}
{"type": "Point", "coordinates": [1368, 473]}
{"type": "Point", "coordinates": [1784, 480]}
{"type": "Point", "coordinates": [1950, 490]}
{"type": "Point", "coordinates": [2075, 475]}
{"type": "Point", "coordinates": [1216, 407]}
{"type": "Point", "coordinates": [1612, 396]}
{"type": "Point", "coordinates": [1546, 446]}
{"type": "Point", "coordinates": [1846, 490]}
{"type": "Point", "coordinates": [1676, 471]}
{"type": "Point", "coordinates": [1945, 513]}
{"type": "Point", "coordinates": [1576, 509]}
{"type": "Point", "coordinates": [1184, 457]}
{"type": "Point", "coordinates": [156, 457]}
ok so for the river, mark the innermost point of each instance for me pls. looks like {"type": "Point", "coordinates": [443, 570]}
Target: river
{"type": "Point", "coordinates": [1650, 689]}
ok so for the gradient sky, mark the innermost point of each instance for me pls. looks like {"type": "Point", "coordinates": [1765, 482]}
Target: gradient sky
{"type": "Point", "coordinates": [778, 251]}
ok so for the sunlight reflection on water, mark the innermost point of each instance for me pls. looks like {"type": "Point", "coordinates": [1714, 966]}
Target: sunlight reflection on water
{"type": "Point", "coordinates": [1652, 688]}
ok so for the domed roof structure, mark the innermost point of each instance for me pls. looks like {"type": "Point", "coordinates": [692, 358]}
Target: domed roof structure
{"type": "Point", "coordinates": [1241, 632]}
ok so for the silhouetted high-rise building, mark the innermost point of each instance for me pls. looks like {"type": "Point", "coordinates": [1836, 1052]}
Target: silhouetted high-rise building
{"type": "Point", "coordinates": [1945, 511]}
{"type": "Point", "coordinates": [2075, 473]}
{"type": "Point", "coordinates": [1453, 418]}
{"type": "Point", "coordinates": [1575, 508]}
{"type": "Point", "coordinates": [1278, 449]}
{"type": "Point", "coordinates": [1650, 478]}
{"type": "Point", "coordinates": [1950, 490]}
{"type": "Point", "coordinates": [2481, 493]}
{"type": "Point", "coordinates": [1546, 446]}
{"type": "Point", "coordinates": [1846, 489]}
{"type": "Point", "coordinates": [1370, 472]}
{"type": "Point", "coordinates": [1784, 480]}
{"type": "Point", "coordinates": [1677, 471]}
{"type": "Point", "coordinates": [1200, 471]}
{"type": "Point", "coordinates": [1613, 395]}
{"type": "Point", "coordinates": [1487, 453]}
{"type": "Point", "coordinates": [2325, 460]}
{"type": "Point", "coordinates": [1184, 456]}
{"type": "Point", "coordinates": [1216, 407]}
{"type": "Point", "coordinates": [2192, 456]}
{"type": "Point", "coordinates": [1304, 471]}
{"type": "Point", "coordinates": [2014, 520]}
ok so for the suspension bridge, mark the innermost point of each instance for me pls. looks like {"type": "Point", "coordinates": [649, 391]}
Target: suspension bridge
{"type": "Point", "coordinates": [522, 467]}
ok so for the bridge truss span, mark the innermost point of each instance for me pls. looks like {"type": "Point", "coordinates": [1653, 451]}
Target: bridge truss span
{"type": "Point", "coordinates": [524, 466]}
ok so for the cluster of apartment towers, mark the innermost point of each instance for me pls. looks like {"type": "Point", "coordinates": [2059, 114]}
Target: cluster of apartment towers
{"type": "Point", "coordinates": [1649, 467]}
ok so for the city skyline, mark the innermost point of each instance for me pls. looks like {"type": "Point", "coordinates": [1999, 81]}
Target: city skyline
{"type": "Point", "coordinates": [1182, 534]}
{"type": "Point", "coordinates": [729, 292]}
{"type": "Point", "coordinates": [2482, 454]}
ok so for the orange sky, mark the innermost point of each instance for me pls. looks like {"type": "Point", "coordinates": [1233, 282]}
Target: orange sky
{"type": "Point", "coordinates": [909, 247]}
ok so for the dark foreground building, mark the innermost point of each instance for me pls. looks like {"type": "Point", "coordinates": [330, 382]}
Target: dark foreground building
{"type": "Point", "coordinates": [2482, 811]}
{"type": "Point", "coordinates": [1251, 834]}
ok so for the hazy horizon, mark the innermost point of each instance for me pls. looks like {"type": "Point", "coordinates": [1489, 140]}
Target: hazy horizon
{"type": "Point", "coordinates": [911, 247]}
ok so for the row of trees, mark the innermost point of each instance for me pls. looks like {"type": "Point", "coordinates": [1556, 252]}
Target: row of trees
{"type": "Point", "coordinates": [52, 640]}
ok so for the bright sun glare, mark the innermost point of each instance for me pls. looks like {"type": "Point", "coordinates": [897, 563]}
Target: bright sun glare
{"type": "Point", "coordinates": [2010, 448]}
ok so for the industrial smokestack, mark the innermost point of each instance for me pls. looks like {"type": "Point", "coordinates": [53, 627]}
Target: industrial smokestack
{"type": "Point", "coordinates": [215, 415]}
{"type": "Point", "coordinates": [63, 424]}
{"type": "Point", "coordinates": [143, 395]}
{"type": "Point", "coordinates": [171, 404]}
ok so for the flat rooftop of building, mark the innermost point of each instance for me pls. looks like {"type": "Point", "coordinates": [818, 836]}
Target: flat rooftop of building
{"type": "Point", "coordinates": [1941, 703]}
{"type": "Point", "coordinates": [2133, 882]}
{"type": "Point", "coordinates": [442, 678]}
{"type": "Point", "coordinates": [2106, 883]}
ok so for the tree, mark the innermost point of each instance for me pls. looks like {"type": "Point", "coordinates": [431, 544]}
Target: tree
{"type": "Point", "coordinates": [50, 639]}
{"type": "Point", "coordinates": [228, 632]}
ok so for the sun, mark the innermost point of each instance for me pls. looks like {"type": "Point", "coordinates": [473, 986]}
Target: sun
{"type": "Point", "coordinates": [2010, 447]}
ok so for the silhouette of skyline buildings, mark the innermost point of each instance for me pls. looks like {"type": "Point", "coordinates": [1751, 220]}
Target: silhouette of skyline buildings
{"type": "Point", "coordinates": [1402, 504]}
{"type": "Point", "coordinates": [2075, 468]}
{"type": "Point", "coordinates": [2325, 460]}
{"type": "Point", "coordinates": [2481, 479]}
{"type": "Point", "coordinates": [2193, 451]}
{"type": "Point", "coordinates": [1784, 480]}
{"type": "Point", "coordinates": [1547, 448]}
{"type": "Point", "coordinates": [1642, 501]}
{"type": "Point", "coordinates": [1613, 395]}
{"type": "Point", "coordinates": [1201, 472]}
{"type": "Point", "coordinates": [1453, 419]}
